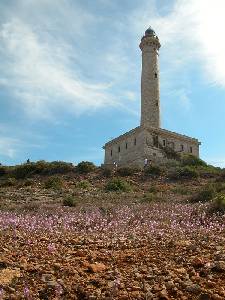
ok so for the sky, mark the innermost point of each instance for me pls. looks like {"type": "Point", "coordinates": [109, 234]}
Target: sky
{"type": "Point", "coordinates": [70, 73]}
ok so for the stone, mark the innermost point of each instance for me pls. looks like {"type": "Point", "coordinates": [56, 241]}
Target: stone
{"type": "Point", "coordinates": [98, 267]}
{"type": "Point", "coordinates": [204, 296]}
{"type": "Point", "coordinates": [8, 275]}
{"type": "Point", "coordinates": [219, 266]}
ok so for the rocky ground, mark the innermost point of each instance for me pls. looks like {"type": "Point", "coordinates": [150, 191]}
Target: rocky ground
{"type": "Point", "coordinates": [148, 243]}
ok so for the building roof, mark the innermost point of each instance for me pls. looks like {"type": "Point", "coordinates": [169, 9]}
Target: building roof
{"type": "Point", "coordinates": [150, 31]}
{"type": "Point", "coordinates": [159, 131]}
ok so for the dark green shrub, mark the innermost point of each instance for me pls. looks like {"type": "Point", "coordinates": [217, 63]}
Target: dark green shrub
{"type": "Point", "coordinates": [218, 204]}
{"type": "Point", "coordinates": [207, 194]}
{"type": "Point", "coordinates": [170, 153]}
{"type": "Point", "coordinates": [70, 201]}
{"type": "Point", "coordinates": [53, 183]}
{"type": "Point", "coordinates": [3, 171]}
{"type": "Point", "coordinates": [85, 167]}
{"type": "Point", "coordinates": [8, 182]}
{"type": "Point", "coordinates": [83, 184]}
{"type": "Point", "coordinates": [126, 171]}
{"type": "Point", "coordinates": [153, 171]}
{"type": "Point", "coordinates": [148, 198]}
{"type": "Point", "coordinates": [153, 189]}
{"type": "Point", "coordinates": [118, 184]}
{"type": "Point", "coordinates": [57, 167]}
{"type": "Point", "coordinates": [184, 173]}
{"type": "Point", "coordinates": [191, 160]}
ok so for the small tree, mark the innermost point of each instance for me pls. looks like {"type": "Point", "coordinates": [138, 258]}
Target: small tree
{"type": "Point", "coordinates": [85, 167]}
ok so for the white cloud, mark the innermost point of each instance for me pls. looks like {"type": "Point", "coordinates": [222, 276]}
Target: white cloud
{"type": "Point", "coordinates": [193, 32]}
{"type": "Point", "coordinates": [40, 77]}
{"type": "Point", "coordinates": [8, 146]}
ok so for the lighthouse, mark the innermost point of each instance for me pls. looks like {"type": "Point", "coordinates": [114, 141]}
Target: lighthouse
{"type": "Point", "coordinates": [150, 98]}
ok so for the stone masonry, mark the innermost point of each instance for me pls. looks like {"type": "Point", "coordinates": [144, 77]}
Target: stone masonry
{"type": "Point", "coordinates": [148, 141]}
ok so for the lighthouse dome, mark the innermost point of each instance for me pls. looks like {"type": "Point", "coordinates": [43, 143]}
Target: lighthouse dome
{"type": "Point", "coordinates": [150, 31]}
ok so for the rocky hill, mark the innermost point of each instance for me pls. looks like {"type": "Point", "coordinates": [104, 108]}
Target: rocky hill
{"type": "Point", "coordinates": [90, 233]}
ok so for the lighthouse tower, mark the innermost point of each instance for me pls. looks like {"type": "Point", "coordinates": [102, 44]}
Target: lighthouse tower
{"type": "Point", "coordinates": [150, 100]}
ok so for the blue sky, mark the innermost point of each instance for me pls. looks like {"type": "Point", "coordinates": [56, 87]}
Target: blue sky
{"type": "Point", "coordinates": [70, 74]}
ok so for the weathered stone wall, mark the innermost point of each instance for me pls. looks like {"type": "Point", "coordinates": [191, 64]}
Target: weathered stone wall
{"type": "Point", "coordinates": [133, 147]}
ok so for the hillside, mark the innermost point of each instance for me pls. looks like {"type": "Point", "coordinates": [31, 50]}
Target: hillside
{"type": "Point", "coordinates": [87, 233]}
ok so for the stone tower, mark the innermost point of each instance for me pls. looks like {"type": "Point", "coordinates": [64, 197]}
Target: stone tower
{"type": "Point", "coordinates": [150, 102]}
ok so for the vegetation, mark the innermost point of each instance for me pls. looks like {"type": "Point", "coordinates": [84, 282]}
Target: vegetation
{"type": "Point", "coordinates": [70, 201]}
{"type": "Point", "coordinates": [206, 194]}
{"type": "Point", "coordinates": [153, 170]}
{"type": "Point", "coordinates": [85, 167]}
{"type": "Point", "coordinates": [218, 204]}
{"type": "Point", "coordinates": [187, 172]}
{"type": "Point", "coordinates": [191, 160]}
{"type": "Point", "coordinates": [118, 185]}
{"type": "Point", "coordinates": [54, 183]}
{"type": "Point", "coordinates": [83, 184]}
{"type": "Point", "coordinates": [126, 171]}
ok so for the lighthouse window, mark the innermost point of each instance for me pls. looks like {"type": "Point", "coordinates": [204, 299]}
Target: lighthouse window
{"type": "Point", "coordinates": [181, 147]}
{"type": "Point", "coordinates": [111, 152]}
{"type": "Point", "coordinates": [119, 149]}
{"type": "Point", "coordinates": [191, 149]}
{"type": "Point", "coordinates": [156, 75]}
{"type": "Point", "coordinates": [126, 145]}
{"type": "Point", "coordinates": [135, 142]}
{"type": "Point", "coordinates": [164, 143]}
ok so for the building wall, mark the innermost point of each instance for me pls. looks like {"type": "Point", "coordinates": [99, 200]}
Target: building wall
{"type": "Point", "coordinates": [126, 150]}
{"type": "Point", "coordinates": [133, 147]}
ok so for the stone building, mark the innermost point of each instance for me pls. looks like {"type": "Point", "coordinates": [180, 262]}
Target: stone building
{"type": "Point", "coordinates": [148, 142]}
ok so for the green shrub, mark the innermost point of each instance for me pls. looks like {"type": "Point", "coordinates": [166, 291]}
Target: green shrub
{"type": "Point", "coordinates": [207, 194]}
{"type": "Point", "coordinates": [182, 190]}
{"type": "Point", "coordinates": [191, 160]}
{"type": "Point", "coordinates": [8, 182]}
{"type": "Point", "coordinates": [53, 183]}
{"type": "Point", "coordinates": [170, 153]}
{"type": "Point", "coordinates": [70, 201]}
{"type": "Point", "coordinates": [153, 189]}
{"type": "Point", "coordinates": [83, 184]}
{"type": "Point", "coordinates": [218, 204]}
{"type": "Point", "coordinates": [153, 171]}
{"type": "Point", "coordinates": [41, 168]}
{"type": "Point", "coordinates": [118, 184]}
{"type": "Point", "coordinates": [184, 173]}
{"type": "Point", "coordinates": [3, 171]}
{"type": "Point", "coordinates": [85, 167]}
{"type": "Point", "coordinates": [126, 171]}
{"type": "Point", "coordinates": [148, 198]}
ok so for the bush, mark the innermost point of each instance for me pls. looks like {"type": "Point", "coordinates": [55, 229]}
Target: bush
{"type": "Point", "coordinates": [126, 171]}
{"type": "Point", "coordinates": [8, 182]}
{"type": "Point", "coordinates": [53, 183]}
{"type": "Point", "coordinates": [84, 184]}
{"type": "Point", "coordinates": [153, 189]}
{"type": "Point", "coordinates": [148, 198]}
{"type": "Point", "coordinates": [70, 201]}
{"type": "Point", "coordinates": [153, 171]}
{"type": "Point", "coordinates": [170, 153]}
{"type": "Point", "coordinates": [218, 204]}
{"type": "Point", "coordinates": [118, 184]}
{"type": "Point", "coordinates": [207, 194]}
{"type": "Point", "coordinates": [191, 160]}
{"type": "Point", "coordinates": [3, 171]}
{"type": "Point", "coordinates": [184, 173]}
{"type": "Point", "coordinates": [41, 168]}
{"type": "Point", "coordinates": [85, 167]}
